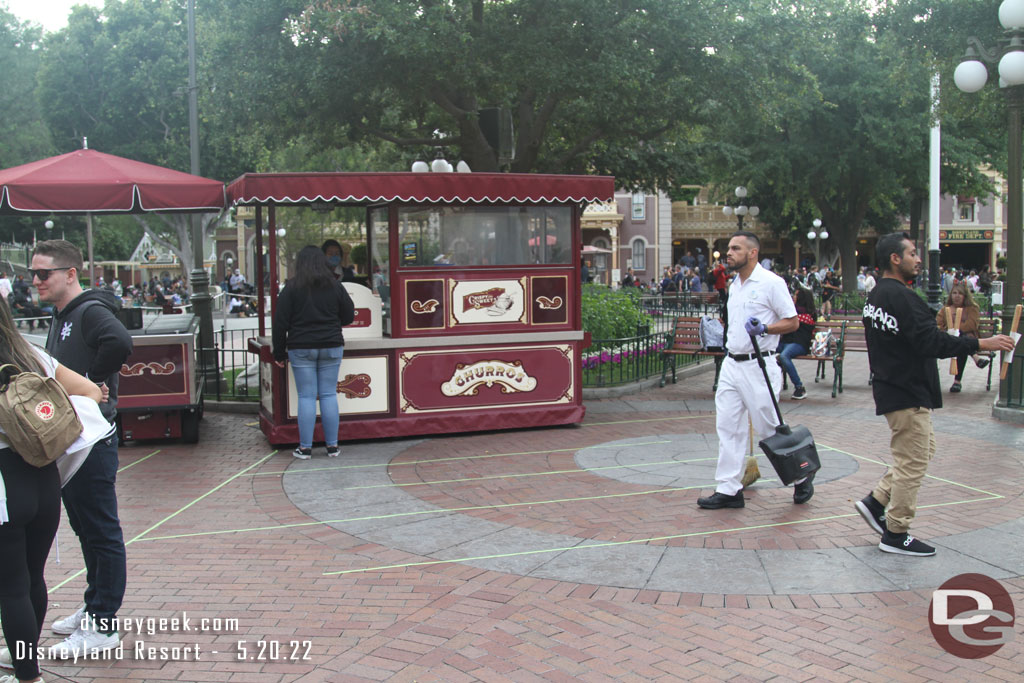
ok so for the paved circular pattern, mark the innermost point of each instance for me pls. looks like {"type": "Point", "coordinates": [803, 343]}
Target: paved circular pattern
{"type": "Point", "coordinates": [686, 461]}
{"type": "Point", "coordinates": [618, 513]}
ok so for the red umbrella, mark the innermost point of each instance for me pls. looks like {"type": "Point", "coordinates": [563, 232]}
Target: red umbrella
{"type": "Point", "coordinates": [88, 181]}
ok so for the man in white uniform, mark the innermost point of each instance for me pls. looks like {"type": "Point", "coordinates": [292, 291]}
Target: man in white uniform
{"type": "Point", "coordinates": [760, 304]}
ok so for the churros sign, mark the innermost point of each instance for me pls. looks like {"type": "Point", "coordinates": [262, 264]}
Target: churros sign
{"type": "Point", "coordinates": [510, 378]}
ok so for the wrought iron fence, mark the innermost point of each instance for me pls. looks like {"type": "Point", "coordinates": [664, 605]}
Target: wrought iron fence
{"type": "Point", "coordinates": [664, 310]}
{"type": "Point", "coordinates": [239, 369]}
{"type": "Point", "coordinates": [614, 362]}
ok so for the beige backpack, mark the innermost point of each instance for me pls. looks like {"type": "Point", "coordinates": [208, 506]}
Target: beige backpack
{"type": "Point", "coordinates": [38, 418]}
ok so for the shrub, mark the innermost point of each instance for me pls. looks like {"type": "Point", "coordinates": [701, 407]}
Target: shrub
{"type": "Point", "coordinates": [611, 314]}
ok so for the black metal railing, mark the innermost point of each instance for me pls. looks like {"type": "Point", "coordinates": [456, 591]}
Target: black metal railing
{"type": "Point", "coordinates": [664, 309]}
{"type": "Point", "coordinates": [236, 366]}
{"type": "Point", "coordinates": [614, 362]}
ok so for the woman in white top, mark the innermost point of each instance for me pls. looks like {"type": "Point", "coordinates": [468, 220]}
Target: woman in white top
{"type": "Point", "coordinates": [33, 512]}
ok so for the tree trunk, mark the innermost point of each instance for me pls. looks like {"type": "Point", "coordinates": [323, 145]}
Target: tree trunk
{"type": "Point", "coordinates": [916, 202]}
{"type": "Point", "coordinates": [847, 242]}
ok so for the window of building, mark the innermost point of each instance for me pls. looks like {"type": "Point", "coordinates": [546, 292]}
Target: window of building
{"type": "Point", "coordinates": [639, 254]}
{"type": "Point", "coordinates": [639, 206]}
{"type": "Point", "coordinates": [967, 212]}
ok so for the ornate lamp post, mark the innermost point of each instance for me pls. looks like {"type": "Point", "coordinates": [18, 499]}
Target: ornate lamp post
{"type": "Point", "coordinates": [970, 76]}
{"type": "Point", "coordinates": [741, 210]}
{"type": "Point", "coordinates": [817, 237]}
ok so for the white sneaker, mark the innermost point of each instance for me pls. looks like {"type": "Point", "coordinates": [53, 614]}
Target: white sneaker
{"type": "Point", "coordinates": [5, 660]}
{"type": "Point", "coordinates": [12, 679]}
{"type": "Point", "coordinates": [86, 641]}
{"type": "Point", "coordinates": [69, 624]}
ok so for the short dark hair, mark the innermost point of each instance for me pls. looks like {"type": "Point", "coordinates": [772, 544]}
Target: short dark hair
{"type": "Point", "coordinates": [749, 236]}
{"type": "Point", "coordinates": [887, 246]}
{"type": "Point", "coordinates": [63, 253]}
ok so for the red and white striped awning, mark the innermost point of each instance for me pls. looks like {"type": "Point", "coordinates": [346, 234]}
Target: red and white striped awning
{"type": "Point", "coordinates": [425, 188]}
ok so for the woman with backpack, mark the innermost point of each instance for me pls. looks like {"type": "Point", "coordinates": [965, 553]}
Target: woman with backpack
{"type": "Point", "coordinates": [798, 342]}
{"type": "Point", "coordinates": [29, 514]}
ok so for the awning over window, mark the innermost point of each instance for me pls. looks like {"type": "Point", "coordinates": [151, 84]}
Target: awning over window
{"type": "Point", "coordinates": [462, 188]}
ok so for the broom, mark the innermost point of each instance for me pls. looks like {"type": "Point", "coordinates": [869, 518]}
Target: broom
{"type": "Point", "coordinates": [751, 473]}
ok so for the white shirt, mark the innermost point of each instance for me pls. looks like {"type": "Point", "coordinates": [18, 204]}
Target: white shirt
{"type": "Point", "coordinates": [5, 287]}
{"type": "Point", "coordinates": [763, 296]}
{"type": "Point", "coordinates": [869, 284]}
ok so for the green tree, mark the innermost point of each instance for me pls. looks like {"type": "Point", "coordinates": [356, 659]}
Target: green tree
{"type": "Point", "coordinates": [592, 85]}
{"type": "Point", "coordinates": [23, 133]}
{"type": "Point", "coordinates": [845, 135]}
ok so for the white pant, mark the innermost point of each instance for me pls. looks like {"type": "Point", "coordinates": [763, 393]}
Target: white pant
{"type": "Point", "coordinates": [741, 394]}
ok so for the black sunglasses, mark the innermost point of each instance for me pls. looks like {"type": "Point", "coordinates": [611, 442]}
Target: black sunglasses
{"type": "Point", "coordinates": [44, 273]}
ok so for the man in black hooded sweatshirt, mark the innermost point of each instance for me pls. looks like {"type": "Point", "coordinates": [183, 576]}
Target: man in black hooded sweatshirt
{"type": "Point", "coordinates": [86, 337]}
{"type": "Point", "coordinates": [903, 343]}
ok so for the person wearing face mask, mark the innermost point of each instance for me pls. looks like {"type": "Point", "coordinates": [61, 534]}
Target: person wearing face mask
{"type": "Point", "coordinates": [333, 251]}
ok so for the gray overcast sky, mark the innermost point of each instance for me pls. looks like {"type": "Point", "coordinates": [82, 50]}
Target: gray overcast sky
{"type": "Point", "coordinates": [52, 14]}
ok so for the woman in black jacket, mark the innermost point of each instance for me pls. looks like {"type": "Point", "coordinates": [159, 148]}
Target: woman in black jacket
{"type": "Point", "coordinates": [797, 343]}
{"type": "Point", "coordinates": [311, 310]}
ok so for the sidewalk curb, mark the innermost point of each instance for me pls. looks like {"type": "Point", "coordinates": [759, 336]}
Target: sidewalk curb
{"type": "Point", "coordinates": [643, 385]}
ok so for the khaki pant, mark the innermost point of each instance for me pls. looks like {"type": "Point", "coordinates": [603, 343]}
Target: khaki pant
{"type": "Point", "coordinates": [912, 446]}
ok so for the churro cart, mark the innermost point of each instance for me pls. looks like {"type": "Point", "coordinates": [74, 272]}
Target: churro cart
{"type": "Point", "coordinates": [160, 388]}
{"type": "Point", "coordinates": [471, 320]}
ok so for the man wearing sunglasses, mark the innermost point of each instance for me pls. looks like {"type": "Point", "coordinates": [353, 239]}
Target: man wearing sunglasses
{"type": "Point", "coordinates": [86, 337]}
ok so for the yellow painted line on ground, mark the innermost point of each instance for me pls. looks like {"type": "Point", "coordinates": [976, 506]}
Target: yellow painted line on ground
{"type": "Point", "coordinates": [138, 461]}
{"type": "Point", "coordinates": [611, 544]}
{"type": "Point", "coordinates": [649, 419]}
{"type": "Point", "coordinates": [439, 511]}
{"type": "Point", "coordinates": [578, 470]}
{"type": "Point", "coordinates": [928, 476]}
{"type": "Point", "coordinates": [453, 458]}
{"type": "Point", "coordinates": [174, 514]}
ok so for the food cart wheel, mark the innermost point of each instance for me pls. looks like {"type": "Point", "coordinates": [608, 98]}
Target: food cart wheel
{"type": "Point", "coordinates": [190, 424]}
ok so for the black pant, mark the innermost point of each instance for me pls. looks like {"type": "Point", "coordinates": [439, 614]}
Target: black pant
{"type": "Point", "coordinates": [91, 503]}
{"type": "Point", "coordinates": [961, 362]}
{"type": "Point", "coordinates": [33, 506]}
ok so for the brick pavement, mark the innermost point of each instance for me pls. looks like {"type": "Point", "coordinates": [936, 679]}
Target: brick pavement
{"type": "Point", "coordinates": [354, 555]}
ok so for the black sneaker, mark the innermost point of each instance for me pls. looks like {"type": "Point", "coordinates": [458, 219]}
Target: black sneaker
{"type": "Point", "coordinates": [955, 389]}
{"type": "Point", "coordinates": [332, 451]}
{"type": "Point", "coordinates": [303, 453]}
{"type": "Point", "coordinates": [803, 491]}
{"type": "Point", "coordinates": [800, 393]}
{"type": "Point", "coordinates": [873, 513]}
{"type": "Point", "coordinates": [720, 500]}
{"type": "Point", "coordinates": [904, 544]}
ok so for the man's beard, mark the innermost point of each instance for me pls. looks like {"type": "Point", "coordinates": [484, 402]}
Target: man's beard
{"type": "Point", "coordinates": [738, 266]}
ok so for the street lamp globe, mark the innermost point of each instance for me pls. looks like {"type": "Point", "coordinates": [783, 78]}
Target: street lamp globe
{"type": "Point", "coordinates": [824, 234]}
{"type": "Point", "coordinates": [811, 234]}
{"type": "Point", "coordinates": [1011, 67]}
{"type": "Point", "coordinates": [281, 232]}
{"type": "Point", "coordinates": [970, 75]}
{"type": "Point", "coordinates": [741, 192]}
{"type": "Point", "coordinates": [1011, 14]}
{"type": "Point", "coordinates": [48, 225]}
{"type": "Point", "coordinates": [816, 223]}
{"type": "Point", "coordinates": [741, 210]}
{"type": "Point", "coordinates": [754, 211]}
{"type": "Point", "coordinates": [727, 210]}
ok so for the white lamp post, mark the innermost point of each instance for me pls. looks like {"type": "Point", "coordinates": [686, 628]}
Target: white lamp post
{"type": "Point", "coordinates": [741, 210]}
{"type": "Point", "coordinates": [971, 76]}
{"type": "Point", "coordinates": [817, 237]}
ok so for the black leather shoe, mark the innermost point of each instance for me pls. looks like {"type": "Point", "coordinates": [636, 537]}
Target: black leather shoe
{"type": "Point", "coordinates": [720, 500]}
{"type": "Point", "coordinates": [803, 491]}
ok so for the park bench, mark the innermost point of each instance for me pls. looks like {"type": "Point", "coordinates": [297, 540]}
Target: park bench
{"type": "Point", "coordinates": [856, 341]}
{"type": "Point", "coordinates": [835, 356]}
{"type": "Point", "coordinates": [686, 342]}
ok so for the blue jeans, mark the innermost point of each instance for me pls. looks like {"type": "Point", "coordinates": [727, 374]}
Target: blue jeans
{"type": "Point", "coordinates": [316, 376]}
{"type": "Point", "coordinates": [91, 503]}
{"type": "Point", "coordinates": [789, 351]}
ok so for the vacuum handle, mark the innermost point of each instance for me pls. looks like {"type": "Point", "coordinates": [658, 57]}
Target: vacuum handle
{"type": "Point", "coordinates": [768, 382]}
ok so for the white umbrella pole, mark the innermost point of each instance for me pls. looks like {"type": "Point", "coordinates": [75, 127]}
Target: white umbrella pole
{"type": "Point", "coordinates": [88, 239]}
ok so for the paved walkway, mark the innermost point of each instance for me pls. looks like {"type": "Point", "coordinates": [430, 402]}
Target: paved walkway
{"type": "Point", "coordinates": [553, 554]}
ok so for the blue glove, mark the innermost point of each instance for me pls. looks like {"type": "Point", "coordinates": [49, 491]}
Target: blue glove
{"type": "Point", "coordinates": [755, 327]}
